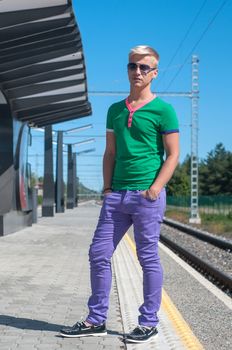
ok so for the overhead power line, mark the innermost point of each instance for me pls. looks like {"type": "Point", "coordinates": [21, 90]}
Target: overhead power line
{"type": "Point", "coordinates": [73, 135]}
{"type": "Point", "coordinates": [79, 155]}
{"type": "Point", "coordinates": [182, 42]}
{"type": "Point", "coordinates": [198, 42]}
{"type": "Point", "coordinates": [126, 93]}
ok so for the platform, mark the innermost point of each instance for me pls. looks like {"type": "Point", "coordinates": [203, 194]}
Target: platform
{"type": "Point", "coordinates": [44, 283]}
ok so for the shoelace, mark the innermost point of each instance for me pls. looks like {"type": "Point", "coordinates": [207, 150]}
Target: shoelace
{"type": "Point", "coordinates": [79, 324]}
{"type": "Point", "coordinates": [142, 328]}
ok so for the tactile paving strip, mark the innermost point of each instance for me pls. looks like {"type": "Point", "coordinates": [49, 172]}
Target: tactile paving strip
{"type": "Point", "coordinates": [129, 282]}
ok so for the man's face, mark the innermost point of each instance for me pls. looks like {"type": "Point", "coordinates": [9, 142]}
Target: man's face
{"type": "Point", "coordinates": [141, 70]}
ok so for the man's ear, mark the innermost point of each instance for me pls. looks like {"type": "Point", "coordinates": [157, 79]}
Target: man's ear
{"type": "Point", "coordinates": [155, 73]}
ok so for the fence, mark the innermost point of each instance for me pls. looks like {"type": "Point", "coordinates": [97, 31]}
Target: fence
{"type": "Point", "coordinates": [207, 204]}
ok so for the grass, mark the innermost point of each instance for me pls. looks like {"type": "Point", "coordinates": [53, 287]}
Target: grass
{"type": "Point", "coordinates": [218, 224]}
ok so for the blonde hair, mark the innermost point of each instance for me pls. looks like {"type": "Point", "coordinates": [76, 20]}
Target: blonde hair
{"type": "Point", "coordinates": [144, 50]}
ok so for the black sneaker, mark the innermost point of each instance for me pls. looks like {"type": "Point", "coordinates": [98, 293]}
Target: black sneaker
{"type": "Point", "coordinates": [81, 330]}
{"type": "Point", "coordinates": [141, 334]}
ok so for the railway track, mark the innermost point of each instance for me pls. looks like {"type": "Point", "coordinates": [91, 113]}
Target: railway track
{"type": "Point", "coordinates": [204, 236]}
{"type": "Point", "coordinates": [221, 278]}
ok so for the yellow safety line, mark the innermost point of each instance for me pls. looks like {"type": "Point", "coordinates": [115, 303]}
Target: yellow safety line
{"type": "Point", "coordinates": [182, 328]}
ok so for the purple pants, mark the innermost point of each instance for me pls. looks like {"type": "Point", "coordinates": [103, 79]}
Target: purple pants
{"type": "Point", "coordinates": [120, 210]}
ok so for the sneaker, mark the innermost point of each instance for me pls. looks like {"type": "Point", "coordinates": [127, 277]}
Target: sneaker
{"type": "Point", "coordinates": [141, 334]}
{"type": "Point", "coordinates": [81, 330]}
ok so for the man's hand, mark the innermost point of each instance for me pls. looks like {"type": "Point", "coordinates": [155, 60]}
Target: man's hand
{"type": "Point", "coordinates": [107, 193]}
{"type": "Point", "coordinates": [151, 193]}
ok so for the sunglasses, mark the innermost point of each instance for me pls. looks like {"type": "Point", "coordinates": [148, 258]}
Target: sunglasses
{"type": "Point", "coordinates": [144, 68]}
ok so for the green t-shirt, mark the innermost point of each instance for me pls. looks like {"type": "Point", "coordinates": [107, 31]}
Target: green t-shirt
{"type": "Point", "coordinates": [139, 148]}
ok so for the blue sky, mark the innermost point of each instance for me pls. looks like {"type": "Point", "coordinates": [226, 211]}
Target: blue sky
{"type": "Point", "coordinates": [110, 28]}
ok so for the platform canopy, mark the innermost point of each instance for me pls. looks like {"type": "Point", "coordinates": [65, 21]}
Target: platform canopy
{"type": "Point", "coordinates": [42, 67]}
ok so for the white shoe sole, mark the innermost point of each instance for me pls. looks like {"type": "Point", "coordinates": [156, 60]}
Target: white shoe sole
{"type": "Point", "coordinates": [141, 341]}
{"type": "Point", "coordinates": [84, 335]}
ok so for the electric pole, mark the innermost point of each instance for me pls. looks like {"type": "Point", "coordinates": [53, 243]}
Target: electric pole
{"type": "Point", "coordinates": [194, 217]}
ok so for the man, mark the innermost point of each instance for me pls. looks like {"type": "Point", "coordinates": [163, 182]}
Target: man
{"type": "Point", "coordinates": [139, 130]}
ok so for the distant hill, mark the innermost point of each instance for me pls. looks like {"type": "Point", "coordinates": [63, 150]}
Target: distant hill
{"type": "Point", "coordinates": [85, 190]}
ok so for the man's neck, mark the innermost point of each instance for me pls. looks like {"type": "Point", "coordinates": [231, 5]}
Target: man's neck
{"type": "Point", "coordinates": [138, 95]}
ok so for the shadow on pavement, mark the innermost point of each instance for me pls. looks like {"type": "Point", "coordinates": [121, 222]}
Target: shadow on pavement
{"type": "Point", "coordinates": [111, 332]}
{"type": "Point", "coordinates": [27, 323]}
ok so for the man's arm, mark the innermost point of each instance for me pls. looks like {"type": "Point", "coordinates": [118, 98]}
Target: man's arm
{"type": "Point", "coordinates": [109, 159]}
{"type": "Point", "coordinates": [171, 145]}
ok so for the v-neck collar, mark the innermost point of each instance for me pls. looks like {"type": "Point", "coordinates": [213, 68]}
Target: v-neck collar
{"type": "Point", "coordinates": [133, 110]}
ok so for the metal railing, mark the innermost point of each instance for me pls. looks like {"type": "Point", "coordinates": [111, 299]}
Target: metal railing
{"type": "Point", "coordinates": [207, 204]}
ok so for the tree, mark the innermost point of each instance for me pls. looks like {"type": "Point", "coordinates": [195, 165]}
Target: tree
{"type": "Point", "coordinates": [33, 179]}
{"type": "Point", "coordinates": [215, 172]}
{"type": "Point", "coordinates": [179, 185]}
